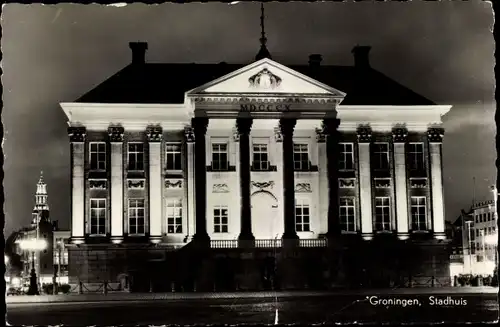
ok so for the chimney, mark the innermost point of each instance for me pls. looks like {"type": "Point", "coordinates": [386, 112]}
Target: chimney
{"type": "Point", "coordinates": [361, 56]}
{"type": "Point", "coordinates": [315, 60]}
{"type": "Point", "coordinates": [138, 52]}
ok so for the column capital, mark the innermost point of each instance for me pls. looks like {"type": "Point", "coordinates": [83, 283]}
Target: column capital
{"type": "Point", "coordinates": [330, 125]}
{"type": "Point", "coordinates": [277, 134]}
{"type": "Point", "coordinates": [244, 125]}
{"type": "Point", "coordinates": [287, 125]}
{"type": "Point", "coordinates": [435, 135]}
{"type": "Point", "coordinates": [399, 134]}
{"type": "Point", "coordinates": [77, 134]}
{"type": "Point", "coordinates": [364, 133]}
{"type": "Point", "coordinates": [154, 133]}
{"type": "Point", "coordinates": [115, 133]}
{"type": "Point", "coordinates": [189, 134]}
{"type": "Point", "coordinates": [320, 135]}
{"type": "Point", "coordinates": [200, 125]}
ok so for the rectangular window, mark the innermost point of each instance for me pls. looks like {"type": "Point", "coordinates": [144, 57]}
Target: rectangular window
{"type": "Point", "coordinates": [260, 157]}
{"type": "Point", "coordinates": [416, 156]}
{"type": "Point", "coordinates": [98, 216]}
{"type": "Point", "coordinates": [136, 156]}
{"type": "Point", "coordinates": [300, 157]}
{"type": "Point", "coordinates": [136, 217]}
{"type": "Point", "coordinates": [382, 214]}
{"type": "Point", "coordinates": [418, 213]}
{"type": "Point", "coordinates": [380, 156]}
{"type": "Point", "coordinates": [174, 216]}
{"type": "Point", "coordinates": [173, 155]}
{"type": "Point", "coordinates": [219, 157]}
{"type": "Point", "coordinates": [97, 156]}
{"type": "Point", "coordinates": [346, 156]}
{"type": "Point", "coordinates": [220, 219]}
{"type": "Point", "coordinates": [302, 216]}
{"type": "Point", "coordinates": [347, 214]}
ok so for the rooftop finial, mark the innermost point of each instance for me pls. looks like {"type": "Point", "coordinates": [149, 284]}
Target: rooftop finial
{"type": "Point", "coordinates": [40, 181]}
{"type": "Point", "coordinates": [263, 52]}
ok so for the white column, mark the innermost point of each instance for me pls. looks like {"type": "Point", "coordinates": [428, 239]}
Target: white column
{"type": "Point", "coordinates": [365, 185]}
{"type": "Point", "coordinates": [399, 137]}
{"type": "Point", "coordinates": [278, 157]}
{"type": "Point", "coordinates": [435, 136]}
{"type": "Point", "coordinates": [191, 228]}
{"type": "Point", "coordinates": [322, 193]}
{"type": "Point", "coordinates": [116, 140]}
{"type": "Point", "coordinates": [155, 184]}
{"type": "Point", "coordinates": [77, 139]}
{"type": "Point", "coordinates": [235, 187]}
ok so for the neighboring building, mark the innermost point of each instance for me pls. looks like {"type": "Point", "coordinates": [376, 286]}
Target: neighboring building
{"type": "Point", "coordinates": [43, 228]}
{"type": "Point", "coordinates": [252, 159]}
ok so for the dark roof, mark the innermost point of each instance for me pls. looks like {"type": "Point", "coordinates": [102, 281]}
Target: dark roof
{"type": "Point", "coordinates": [167, 83]}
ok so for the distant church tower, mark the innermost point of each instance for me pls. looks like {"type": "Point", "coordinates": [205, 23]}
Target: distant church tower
{"type": "Point", "coordinates": [41, 208]}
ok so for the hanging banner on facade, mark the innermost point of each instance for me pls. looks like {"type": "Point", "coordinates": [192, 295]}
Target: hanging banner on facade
{"type": "Point", "coordinates": [265, 107]}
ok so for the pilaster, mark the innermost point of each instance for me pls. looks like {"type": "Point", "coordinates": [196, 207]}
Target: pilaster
{"type": "Point", "coordinates": [154, 135]}
{"type": "Point", "coordinates": [365, 186]}
{"type": "Point", "coordinates": [189, 137]}
{"type": "Point", "coordinates": [399, 136]}
{"type": "Point", "coordinates": [115, 134]}
{"type": "Point", "coordinates": [77, 138]}
{"type": "Point", "coordinates": [435, 139]}
{"type": "Point", "coordinates": [330, 126]}
{"type": "Point", "coordinates": [323, 194]}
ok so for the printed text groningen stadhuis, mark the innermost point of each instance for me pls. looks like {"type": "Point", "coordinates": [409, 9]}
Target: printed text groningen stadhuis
{"type": "Point", "coordinates": [432, 300]}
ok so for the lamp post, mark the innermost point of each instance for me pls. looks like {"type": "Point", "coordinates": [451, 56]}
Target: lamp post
{"type": "Point", "coordinates": [33, 246]}
{"type": "Point", "coordinates": [469, 244]}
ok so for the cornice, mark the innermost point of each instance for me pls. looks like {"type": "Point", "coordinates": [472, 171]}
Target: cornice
{"type": "Point", "coordinates": [243, 98]}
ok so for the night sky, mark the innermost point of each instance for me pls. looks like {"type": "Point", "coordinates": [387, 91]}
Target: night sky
{"type": "Point", "coordinates": [51, 54]}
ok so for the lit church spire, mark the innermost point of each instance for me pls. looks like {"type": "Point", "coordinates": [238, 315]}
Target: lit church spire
{"type": "Point", "coordinates": [41, 208]}
{"type": "Point", "coordinates": [263, 52]}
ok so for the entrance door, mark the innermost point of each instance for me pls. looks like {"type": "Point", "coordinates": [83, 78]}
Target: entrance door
{"type": "Point", "coordinates": [266, 223]}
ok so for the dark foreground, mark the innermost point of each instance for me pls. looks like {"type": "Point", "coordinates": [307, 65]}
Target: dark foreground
{"type": "Point", "coordinates": [305, 310]}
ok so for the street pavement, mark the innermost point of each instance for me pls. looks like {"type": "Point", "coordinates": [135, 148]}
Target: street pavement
{"type": "Point", "coordinates": [396, 306]}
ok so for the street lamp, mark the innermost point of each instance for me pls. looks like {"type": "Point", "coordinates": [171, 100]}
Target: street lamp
{"type": "Point", "coordinates": [33, 246]}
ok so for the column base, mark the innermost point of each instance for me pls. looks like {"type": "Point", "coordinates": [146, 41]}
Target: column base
{"type": "Point", "coordinates": [367, 236]}
{"type": "Point", "coordinates": [246, 243]}
{"type": "Point", "coordinates": [155, 239]}
{"type": "Point", "coordinates": [202, 240]}
{"type": "Point", "coordinates": [116, 239]}
{"type": "Point", "coordinates": [290, 242]}
{"type": "Point", "coordinates": [403, 236]}
{"type": "Point", "coordinates": [77, 239]}
{"type": "Point", "coordinates": [440, 236]}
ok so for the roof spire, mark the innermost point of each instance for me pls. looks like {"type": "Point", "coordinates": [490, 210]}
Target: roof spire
{"type": "Point", "coordinates": [263, 52]}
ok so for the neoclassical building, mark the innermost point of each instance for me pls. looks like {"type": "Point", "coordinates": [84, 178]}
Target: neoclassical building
{"type": "Point", "coordinates": [253, 156]}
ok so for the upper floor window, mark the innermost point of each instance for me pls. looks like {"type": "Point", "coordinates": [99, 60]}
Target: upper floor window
{"type": "Point", "coordinates": [136, 156]}
{"type": "Point", "coordinates": [220, 219]}
{"type": "Point", "coordinates": [347, 214]}
{"type": "Point", "coordinates": [136, 215]}
{"type": "Point", "coordinates": [260, 157]}
{"type": "Point", "coordinates": [418, 213]}
{"type": "Point", "coordinates": [98, 216]}
{"type": "Point", "coordinates": [382, 214]}
{"type": "Point", "coordinates": [219, 156]}
{"type": "Point", "coordinates": [97, 156]}
{"type": "Point", "coordinates": [416, 156]}
{"type": "Point", "coordinates": [380, 156]}
{"type": "Point", "coordinates": [174, 216]}
{"type": "Point", "coordinates": [346, 156]}
{"type": "Point", "coordinates": [300, 156]}
{"type": "Point", "coordinates": [173, 156]}
{"type": "Point", "coordinates": [302, 216]}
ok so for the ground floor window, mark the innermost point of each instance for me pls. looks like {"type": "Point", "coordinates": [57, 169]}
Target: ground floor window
{"type": "Point", "coordinates": [136, 216]}
{"type": "Point", "coordinates": [302, 216]}
{"type": "Point", "coordinates": [98, 216]}
{"type": "Point", "coordinates": [347, 214]}
{"type": "Point", "coordinates": [418, 213]}
{"type": "Point", "coordinates": [220, 219]}
{"type": "Point", "coordinates": [174, 216]}
{"type": "Point", "coordinates": [382, 214]}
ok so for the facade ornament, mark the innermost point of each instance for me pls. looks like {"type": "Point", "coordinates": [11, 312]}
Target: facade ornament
{"type": "Point", "coordinates": [77, 134]}
{"type": "Point", "coordinates": [236, 135]}
{"type": "Point", "coordinates": [399, 134]}
{"type": "Point", "coordinates": [265, 80]}
{"type": "Point", "coordinates": [98, 184]}
{"type": "Point", "coordinates": [200, 125]}
{"type": "Point", "coordinates": [382, 182]}
{"type": "Point", "coordinates": [347, 182]}
{"type": "Point", "coordinates": [364, 133]}
{"type": "Point", "coordinates": [419, 182]}
{"type": "Point", "coordinates": [287, 125]}
{"type": "Point", "coordinates": [115, 133]}
{"type": "Point", "coordinates": [320, 135]}
{"type": "Point", "coordinates": [303, 188]}
{"type": "Point", "coordinates": [154, 133]}
{"type": "Point", "coordinates": [220, 188]}
{"type": "Point", "coordinates": [189, 134]}
{"type": "Point", "coordinates": [277, 134]}
{"type": "Point", "coordinates": [136, 184]}
{"type": "Point", "coordinates": [435, 135]}
{"type": "Point", "coordinates": [173, 183]}
{"type": "Point", "coordinates": [263, 185]}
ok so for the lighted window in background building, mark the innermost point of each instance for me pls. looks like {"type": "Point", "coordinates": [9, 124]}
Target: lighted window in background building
{"type": "Point", "coordinates": [98, 216]}
{"type": "Point", "coordinates": [219, 156]}
{"type": "Point", "coordinates": [302, 216]}
{"type": "Point", "coordinates": [260, 157]}
{"type": "Point", "coordinates": [300, 156]}
{"type": "Point", "coordinates": [418, 213]}
{"type": "Point", "coordinates": [346, 156]}
{"type": "Point", "coordinates": [97, 155]}
{"type": "Point", "coordinates": [173, 156]}
{"type": "Point", "coordinates": [380, 156]}
{"type": "Point", "coordinates": [136, 156]}
{"type": "Point", "coordinates": [220, 219]}
{"type": "Point", "coordinates": [347, 214]}
{"type": "Point", "coordinates": [416, 156]}
{"type": "Point", "coordinates": [136, 217]}
{"type": "Point", "coordinates": [174, 216]}
{"type": "Point", "coordinates": [382, 214]}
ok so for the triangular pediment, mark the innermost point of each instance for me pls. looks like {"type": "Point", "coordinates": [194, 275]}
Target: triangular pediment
{"type": "Point", "coordinates": [266, 77]}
